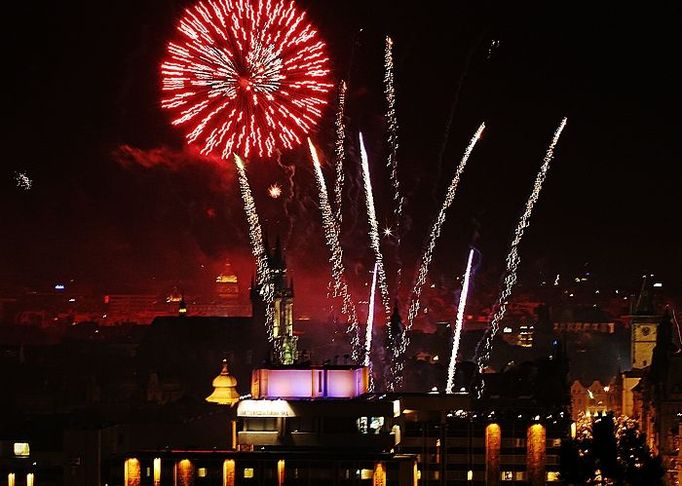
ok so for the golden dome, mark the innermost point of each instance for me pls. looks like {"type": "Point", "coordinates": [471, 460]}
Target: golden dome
{"type": "Point", "coordinates": [225, 388]}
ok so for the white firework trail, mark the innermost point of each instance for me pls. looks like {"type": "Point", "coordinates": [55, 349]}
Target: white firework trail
{"type": "Point", "coordinates": [374, 229]}
{"type": "Point", "coordinates": [513, 258]}
{"type": "Point", "coordinates": [263, 277]}
{"type": "Point", "coordinates": [370, 318]}
{"type": "Point", "coordinates": [435, 232]}
{"type": "Point", "coordinates": [340, 152]}
{"type": "Point", "coordinates": [392, 129]}
{"type": "Point", "coordinates": [459, 323]}
{"type": "Point", "coordinates": [331, 232]}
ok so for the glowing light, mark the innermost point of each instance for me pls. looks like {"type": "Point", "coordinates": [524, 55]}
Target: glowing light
{"type": "Point", "coordinates": [280, 472]}
{"type": "Point", "coordinates": [263, 277]}
{"type": "Point", "coordinates": [458, 324]}
{"type": "Point", "coordinates": [436, 229]}
{"type": "Point", "coordinates": [370, 318]}
{"type": "Point", "coordinates": [245, 76]}
{"type": "Point", "coordinates": [157, 471]}
{"type": "Point", "coordinates": [23, 181]}
{"type": "Point", "coordinates": [536, 441]}
{"type": "Point", "coordinates": [331, 231]}
{"type": "Point", "coordinates": [513, 258]}
{"type": "Point", "coordinates": [275, 191]}
{"type": "Point", "coordinates": [132, 472]}
{"type": "Point", "coordinates": [59, 287]}
{"type": "Point", "coordinates": [493, 447]}
{"type": "Point", "coordinates": [229, 472]}
{"type": "Point", "coordinates": [340, 152]}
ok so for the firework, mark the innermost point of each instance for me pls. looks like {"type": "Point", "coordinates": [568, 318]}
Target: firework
{"type": "Point", "coordinates": [374, 229]}
{"type": "Point", "coordinates": [370, 317]}
{"type": "Point", "coordinates": [459, 323]}
{"type": "Point", "coordinates": [245, 76]}
{"type": "Point", "coordinates": [436, 229]}
{"type": "Point", "coordinates": [513, 258]}
{"type": "Point", "coordinates": [23, 181]}
{"type": "Point", "coordinates": [340, 151]}
{"type": "Point", "coordinates": [275, 191]}
{"type": "Point", "coordinates": [331, 231]}
{"type": "Point", "coordinates": [263, 277]}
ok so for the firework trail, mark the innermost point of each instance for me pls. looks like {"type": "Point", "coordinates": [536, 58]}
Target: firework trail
{"type": "Point", "coordinates": [435, 231]}
{"type": "Point", "coordinates": [459, 323]}
{"type": "Point", "coordinates": [370, 318]}
{"type": "Point", "coordinates": [392, 162]}
{"type": "Point", "coordinates": [340, 151]}
{"type": "Point", "coordinates": [374, 229]}
{"type": "Point", "coordinates": [513, 258]}
{"type": "Point", "coordinates": [331, 231]}
{"type": "Point", "coordinates": [453, 106]}
{"type": "Point", "coordinates": [263, 277]}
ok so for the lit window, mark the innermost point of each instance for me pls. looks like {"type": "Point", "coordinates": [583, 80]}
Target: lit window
{"type": "Point", "coordinates": [248, 472]}
{"type": "Point", "coordinates": [201, 472]}
{"type": "Point", "coordinates": [22, 449]}
{"type": "Point", "coordinates": [366, 474]}
{"type": "Point", "coordinates": [507, 476]}
{"type": "Point", "coordinates": [552, 476]}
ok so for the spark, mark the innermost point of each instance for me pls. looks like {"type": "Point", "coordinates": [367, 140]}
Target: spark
{"type": "Point", "coordinates": [275, 191]}
{"type": "Point", "coordinates": [245, 76]}
{"type": "Point", "coordinates": [374, 228]}
{"type": "Point", "coordinates": [23, 181]}
{"type": "Point", "coordinates": [436, 230]}
{"type": "Point", "coordinates": [388, 232]}
{"type": "Point", "coordinates": [494, 44]}
{"type": "Point", "coordinates": [263, 276]}
{"type": "Point", "coordinates": [370, 317]}
{"type": "Point", "coordinates": [331, 232]}
{"type": "Point", "coordinates": [459, 323]}
{"type": "Point", "coordinates": [513, 258]}
{"type": "Point", "coordinates": [340, 151]}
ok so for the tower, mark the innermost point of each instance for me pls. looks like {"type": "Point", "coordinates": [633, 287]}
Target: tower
{"type": "Point", "coordinates": [644, 328]}
{"type": "Point", "coordinates": [285, 344]}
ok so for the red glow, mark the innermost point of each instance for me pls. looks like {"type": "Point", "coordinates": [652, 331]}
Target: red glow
{"type": "Point", "coordinates": [245, 76]}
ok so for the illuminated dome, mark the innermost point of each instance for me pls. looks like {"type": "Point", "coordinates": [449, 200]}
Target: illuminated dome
{"type": "Point", "coordinates": [224, 388]}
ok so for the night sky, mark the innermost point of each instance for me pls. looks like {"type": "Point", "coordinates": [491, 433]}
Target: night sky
{"type": "Point", "coordinates": [116, 201]}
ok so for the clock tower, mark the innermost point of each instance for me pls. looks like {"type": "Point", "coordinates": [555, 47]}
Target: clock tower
{"type": "Point", "coordinates": [643, 343]}
{"type": "Point", "coordinates": [643, 328]}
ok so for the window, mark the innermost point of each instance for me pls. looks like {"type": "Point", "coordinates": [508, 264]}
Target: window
{"type": "Point", "coordinates": [552, 476]}
{"type": "Point", "coordinates": [507, 475]}
{"type": "Point", "coordinates": [22, 449]}
{"type": "Point", "coordinates": [201, 472]}
{"type": "Point", "coordinates": [248, 473]}
{"type": "Point", "coordinates": [376, 424]}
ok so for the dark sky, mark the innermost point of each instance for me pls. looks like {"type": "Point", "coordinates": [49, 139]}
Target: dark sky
{"type": "Point", "coordinates": [84, 95]}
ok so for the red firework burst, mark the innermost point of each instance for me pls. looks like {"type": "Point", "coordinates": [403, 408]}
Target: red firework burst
{"type": "Point", "coordinates": [245, 76]}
